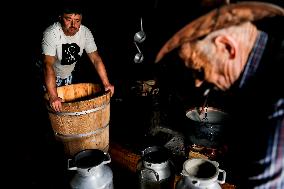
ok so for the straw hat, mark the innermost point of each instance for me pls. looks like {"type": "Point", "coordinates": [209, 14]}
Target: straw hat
{"type": "Point", "coordinates": [225, 16]}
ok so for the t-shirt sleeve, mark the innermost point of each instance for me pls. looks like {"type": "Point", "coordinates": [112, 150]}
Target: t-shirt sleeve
{"type": "Point", "coordinates": [48, 44]}
{"type": "Point", "coordinates": [90, 45]}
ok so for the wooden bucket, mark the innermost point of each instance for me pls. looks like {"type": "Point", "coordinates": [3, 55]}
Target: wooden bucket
{"type": "Point", "coordinates": [84, 120]}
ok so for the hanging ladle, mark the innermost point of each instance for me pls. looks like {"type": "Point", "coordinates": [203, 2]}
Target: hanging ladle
{"type": "Point", "coordinates": [139, 56]}
{"type": "Point", "coordinates": [140, 36]}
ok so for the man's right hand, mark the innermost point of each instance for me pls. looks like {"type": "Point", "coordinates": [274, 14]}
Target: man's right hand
{"type": "Point", "coordinates": [55, 104]}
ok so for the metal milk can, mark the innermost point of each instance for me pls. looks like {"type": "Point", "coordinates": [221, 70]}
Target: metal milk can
{"type": "Point", "coordinates": [200, 173]}
{"type": "Point", "coordinates": [92, 171]}
{"type": "Point", "coordinates": [155, 169]}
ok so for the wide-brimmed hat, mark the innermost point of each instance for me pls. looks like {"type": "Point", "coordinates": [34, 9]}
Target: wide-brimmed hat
{"type": "Point", "coordinates": [225, 16]}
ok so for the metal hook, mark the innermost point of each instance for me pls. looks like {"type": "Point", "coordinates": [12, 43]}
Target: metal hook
{"type": "Point", "coordinates": [141, 24]}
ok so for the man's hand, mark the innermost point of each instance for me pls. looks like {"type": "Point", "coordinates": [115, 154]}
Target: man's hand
{"type": "Point", "coordinates": [55, 104]}
{"type": "Point", "coordinates": [110, 88]}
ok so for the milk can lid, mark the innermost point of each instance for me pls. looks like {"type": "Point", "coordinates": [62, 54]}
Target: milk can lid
{"type": "Point", "coordinates": [89, 158]}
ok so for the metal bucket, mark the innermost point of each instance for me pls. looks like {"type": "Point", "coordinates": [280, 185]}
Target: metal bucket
{"type": "Point", "coordinates": [206, 127]}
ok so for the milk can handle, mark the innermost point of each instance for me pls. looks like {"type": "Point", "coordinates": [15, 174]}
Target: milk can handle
{"type": "Point", "coordinates": [108, 160]}
{"type": "Point", "coordinates": [184, 173]}
{"type": "Point", "coordinates": [71, 162]}
{"type": "Point", "coordinates": [222, 181]}
{"type": "Point", "coordinates": [215, 163]}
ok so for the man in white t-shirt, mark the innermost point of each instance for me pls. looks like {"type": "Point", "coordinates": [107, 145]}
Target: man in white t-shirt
{"type": "Point", "coordinates": [62, 46]}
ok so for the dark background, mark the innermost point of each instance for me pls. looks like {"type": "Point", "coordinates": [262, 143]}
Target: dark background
{"type": "Point", "coordinates": [113, 24]}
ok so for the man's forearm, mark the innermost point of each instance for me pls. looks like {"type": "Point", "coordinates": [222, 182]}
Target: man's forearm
{"type": "Point", "coordinates": [50, 83]}
{"type": "Point", "coordinates": [102, 73]}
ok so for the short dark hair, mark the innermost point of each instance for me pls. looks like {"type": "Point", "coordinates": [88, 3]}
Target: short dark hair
{"type": "Point", "coordinates": [71, 7]}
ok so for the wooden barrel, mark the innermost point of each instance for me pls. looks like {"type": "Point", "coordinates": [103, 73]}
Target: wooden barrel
{"type": "Point", "coordinates": [84, 120]}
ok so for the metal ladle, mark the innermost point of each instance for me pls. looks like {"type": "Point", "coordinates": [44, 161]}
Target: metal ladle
{"type": "Point", "coordinates": [196, 115]}
{"type": "Point", "coordinates": [139, 56]}
{"type": "Point", "coordinates": [140, 36]}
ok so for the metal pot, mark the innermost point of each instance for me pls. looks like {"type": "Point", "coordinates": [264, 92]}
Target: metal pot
{"type": "Point", "coordinates": [206, 126]}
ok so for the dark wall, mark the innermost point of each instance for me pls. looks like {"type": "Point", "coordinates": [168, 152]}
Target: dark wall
{"type": "Point", "coordinates": [114, 24]}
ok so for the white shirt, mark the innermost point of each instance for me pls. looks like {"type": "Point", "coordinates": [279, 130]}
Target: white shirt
{"type": "Point", "coordinates": [67, 49]}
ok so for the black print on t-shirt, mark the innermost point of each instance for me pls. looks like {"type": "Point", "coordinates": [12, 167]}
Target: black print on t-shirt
{"type": "Point", "coordinates": [70, 53]}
